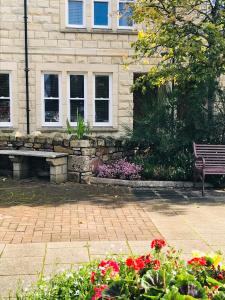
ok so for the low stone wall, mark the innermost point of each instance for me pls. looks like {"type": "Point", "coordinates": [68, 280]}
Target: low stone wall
{"type": "Point", "coordinates": [84, 155]}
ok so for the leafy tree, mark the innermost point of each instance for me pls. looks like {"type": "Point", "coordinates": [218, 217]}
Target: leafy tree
{"type": "Point", "coordinates": [186, 38]}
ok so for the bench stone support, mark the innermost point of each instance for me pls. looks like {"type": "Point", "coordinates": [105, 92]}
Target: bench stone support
{"type": "Point", "coordinates": [58, 169]}
{"type": "Point", "coordinates": [20, 167]}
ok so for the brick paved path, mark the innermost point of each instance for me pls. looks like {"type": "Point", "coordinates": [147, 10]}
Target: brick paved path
{"type": "Point", "coordinates": [38, 212]}
{"type": "Point", "coordinates": [43, 212]}
{"type": "Point", "coordinates": [82, 218]}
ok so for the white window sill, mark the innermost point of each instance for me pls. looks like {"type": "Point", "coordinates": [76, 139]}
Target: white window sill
{"type": "Point", "coordinates": [124, 31]}
{"type": "Point", "coordinates": [6, 125]}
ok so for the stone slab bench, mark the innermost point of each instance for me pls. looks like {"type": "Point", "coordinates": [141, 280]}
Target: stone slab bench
{"type": "Point", "coordinates": [57, 162]}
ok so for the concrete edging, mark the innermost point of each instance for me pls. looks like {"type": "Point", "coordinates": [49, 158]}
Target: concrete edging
{"type": "Point", "coordinates": [142, 183]}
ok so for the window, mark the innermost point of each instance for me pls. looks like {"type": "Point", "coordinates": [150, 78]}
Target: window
{"type": "Point", "coordinates": [77, 97]}
{"type": "Point", "coordinates": [76, 13]}
{"type": "Point", "coordinates": [5, 100]}
{"type": "Point", "coordinates": [125, 14]}
{"type": "Point", "coordinates": [51, 100]}
{"type": "Point", "coordinates": [102, 100]}
{"type": "Point", "coordinates": [101, 14]}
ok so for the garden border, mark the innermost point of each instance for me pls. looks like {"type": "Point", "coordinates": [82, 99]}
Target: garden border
{"type": "Point", "coordinates": [142, 183]}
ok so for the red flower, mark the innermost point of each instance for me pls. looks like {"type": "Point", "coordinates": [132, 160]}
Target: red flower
{"type": "Point", "coordinates": [157, 264]}
{"type": "Point", "coordinates": [98, 291]}
{"type": "Point", "coordinates": [136, 264]}
{"type": "Point", "coordinates": [216, 287]}
{"type": "Point", "coordinates": [220, 276]}
{"type": "Point", "coordinates": [147, 259]}
{"type": "Point", "coordinates": [92, 277]}
{"type": "Point", "coordinates": [105, 265]}
{"type": "Point", "coordinates": [129, 262]}
{"type": "Point", "coordinates": [198, 260]}
{"type": "Point", "coordinates": [158, 244]}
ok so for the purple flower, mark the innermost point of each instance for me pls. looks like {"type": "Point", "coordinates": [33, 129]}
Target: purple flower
{"type": "Point", "coordinates": [121, 169]}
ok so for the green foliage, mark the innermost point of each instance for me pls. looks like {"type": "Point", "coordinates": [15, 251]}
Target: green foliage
{"type": "Point", "coordinates": [117, 279]}
{"type": "Point", "coordinates": [80, 130]}
{"type": "Point", "coordinates": [188, 35]}
{"type": "Point", "coordinates": [188, 39]}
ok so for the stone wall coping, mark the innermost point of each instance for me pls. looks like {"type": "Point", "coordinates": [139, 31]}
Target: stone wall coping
{"type": "Point", "coordinates": [33, 153]}
{"type": "Point", "coordinates": [141, 183]}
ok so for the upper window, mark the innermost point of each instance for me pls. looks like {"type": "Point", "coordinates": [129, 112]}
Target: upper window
{"type": "Point", "coordinates": [125, 14]}
{"type": "Point", "coordinates": [77, 90]}
{"type": "Point", "coordinates": [101, 13]}
{"type": "Point", "coordinates": [5, 100]}
{"type": "Point", "coordinates": [51, 100]}
{"type": "Point", "coordinates": [103, 91]}
{"type": "Point", "coordinates": [76, 13]}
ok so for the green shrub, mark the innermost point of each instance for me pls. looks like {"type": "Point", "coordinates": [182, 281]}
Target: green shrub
{"type": "Point", "coordinates": [168, 124]}
{"type": "Point", "coordinates": [156, 275]}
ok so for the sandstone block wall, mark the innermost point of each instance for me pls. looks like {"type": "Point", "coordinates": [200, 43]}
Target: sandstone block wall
{"type": "Point", "coordinates": [84, 155]}
{"type": "Point", "coordinates": [53, 47]}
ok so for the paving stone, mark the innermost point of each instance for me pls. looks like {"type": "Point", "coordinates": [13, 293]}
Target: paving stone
{"type": "Point", "coordinates": [24, 250]}
{"type": "Point", "coordinates": [108, 247]}
{"type": "Point", "coordinates": [140, 247]}
{"type": "Point", "coordinates": [52, 269]}
{"type": "Point", "coordinates": [57, 245]}
{"type": "Point", "coordinates": [9, 284]}
{"type": "Point", "coordinates": [187, 246]}
{"type": "Point", "coordinates": [2, 246]}
{"type": "Point", "coordinates": [66, 255]}
{"type": "Point", "coordinates": [20, 265]}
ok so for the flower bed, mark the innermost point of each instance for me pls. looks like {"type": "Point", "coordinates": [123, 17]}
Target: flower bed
{"type": "Point", "coordinates": [159, 274]}
{"type": "Point", "coordinates": [120, 169]}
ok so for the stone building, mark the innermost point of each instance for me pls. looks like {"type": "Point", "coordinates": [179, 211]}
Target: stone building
{"type": "Point", "coordinates": [76, 55]}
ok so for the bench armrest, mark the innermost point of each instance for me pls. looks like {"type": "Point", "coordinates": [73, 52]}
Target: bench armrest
{"type": "Point", "coordinates": [198, 158]}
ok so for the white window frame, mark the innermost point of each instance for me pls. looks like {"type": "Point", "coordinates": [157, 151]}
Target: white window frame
{"type": "Point", "coordinates": [118, 18]}
{"type": "Point", "coordinates": [8, 124]}
{"type": "Point", "coordinates": [69, 98]}
{"type": "Point", "coordinates": [109, 15]}
{"type": "Point", "coordinates": [109, 123]}
{"type": "Point", "coordinates": [51, 124]}
{"type": "Point", "coordinates": [84, 16]}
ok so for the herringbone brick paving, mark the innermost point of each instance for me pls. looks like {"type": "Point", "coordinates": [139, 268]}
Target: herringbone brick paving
{"type": "Point", "coordinates": [40, 212]}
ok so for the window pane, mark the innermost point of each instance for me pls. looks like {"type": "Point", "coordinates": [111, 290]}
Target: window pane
{"type": "Point", "coordinates": [101, 111]}
{"type": "Point", "coordinates": [101, 86]}
{"type": "Point", "coordinates": [76, 106]}
{"type": "Point", "coordinates": [4, 110]}
{"type": "Point", "coordinates": [77, 86]}
{"type": "Point", "coordinates": [51, 85]}
{"type": "Point", "coordinates": [51, 110]}
{"type": "Point", "coordinates": [125, 12]}
{"type": "Point", "coordinates": [4, 85]}
{"type": "Point", "coordinates": [75, 12]}
{"type": "Point", "coordinates": [101, 13]}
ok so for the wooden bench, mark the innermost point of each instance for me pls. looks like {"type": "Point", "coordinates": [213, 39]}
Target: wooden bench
{"type": "Point", "coordinates": [19, 158]}
{"type": "Point", "coordinates": [209, 160]}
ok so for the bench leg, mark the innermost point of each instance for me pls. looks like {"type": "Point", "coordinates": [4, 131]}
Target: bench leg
{"type": "Point", "coordinates": [203, 185]}
{"type": "Point", "coordinates": [194, 178]}
{"type": "Point", "coordinates": [20, 167]}
{"type": "Point", "coordinates": [58, 169]}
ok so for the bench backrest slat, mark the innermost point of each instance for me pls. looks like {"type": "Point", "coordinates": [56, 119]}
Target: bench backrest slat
{"type": "Point", "coordinates": [214, 155]}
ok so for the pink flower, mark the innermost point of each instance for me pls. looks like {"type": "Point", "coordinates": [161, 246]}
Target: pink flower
{"type": "Point", "coordinates": [106, 265]}
{"type": "Point", "coordinates": [98, 291]}
{"type": "Point", "coordinates": [93, 274]}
